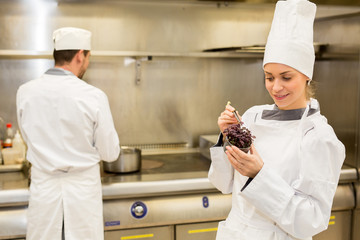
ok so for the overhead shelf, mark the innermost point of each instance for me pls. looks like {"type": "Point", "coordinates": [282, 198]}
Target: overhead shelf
{"type": "Point", "coordinates": [26, 54]}
{"type": "Point", "coordinates": [322, 51]}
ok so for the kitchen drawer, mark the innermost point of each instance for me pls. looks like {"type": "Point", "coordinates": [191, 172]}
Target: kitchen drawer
{"type": "Point", "coordinates": [339, 227]}
{"type": "Point", "coordinates": [356, 224]}
{"type": "Point", "coordinates": [196, 231]}
{"type": "Point", "coordinates": [151, 233]}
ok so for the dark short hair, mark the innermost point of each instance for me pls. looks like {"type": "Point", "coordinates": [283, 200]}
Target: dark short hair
{"type": "Point", "coordinates": [64, 56]}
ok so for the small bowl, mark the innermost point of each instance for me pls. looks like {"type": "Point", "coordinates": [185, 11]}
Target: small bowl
{"type": "Point", "coordinates": [227, 143]}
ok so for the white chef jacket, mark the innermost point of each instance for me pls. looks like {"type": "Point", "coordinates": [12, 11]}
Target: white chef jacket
{"type": "Point", "coordinates": [291, 197]}
{"type": "Point", "coordinates": [66, 123]}
{"type": "Point", "coordinates": [68, 128]}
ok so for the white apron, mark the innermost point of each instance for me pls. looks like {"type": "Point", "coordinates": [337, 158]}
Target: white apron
{"type": "Point", "coordinates": [278, 144]}
{"type": "Point", "coordinates": [74, 196]}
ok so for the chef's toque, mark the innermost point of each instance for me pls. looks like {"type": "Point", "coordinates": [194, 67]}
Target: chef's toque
{"type": "Point", "coordinates": [69, 38]}
{"type": "Point", "coordinates": [290, 40]}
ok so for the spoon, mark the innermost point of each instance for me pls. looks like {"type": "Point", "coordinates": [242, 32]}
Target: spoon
{"type": "Point", "coordinates": [235, 113]}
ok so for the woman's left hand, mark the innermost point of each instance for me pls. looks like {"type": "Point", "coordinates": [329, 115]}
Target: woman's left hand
{"type": "Point", "coordinates": [246, 164]}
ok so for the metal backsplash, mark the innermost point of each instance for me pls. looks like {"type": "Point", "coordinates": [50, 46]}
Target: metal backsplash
{"type": "Point", "coordinates": [338, 88]}
{"type": "Point", "coordinates": [179, 95]}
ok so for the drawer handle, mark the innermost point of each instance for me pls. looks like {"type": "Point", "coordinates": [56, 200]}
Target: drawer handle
{"type": "Point", "coordinates": [202, 230]}
{"type": "Point", "coordinates": [332, 220]}
{"type": "Point", "coordinates": [138, 236]}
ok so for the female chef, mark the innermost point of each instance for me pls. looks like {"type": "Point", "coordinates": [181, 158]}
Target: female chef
{"type": "Point", "coordinates": [285, 187]}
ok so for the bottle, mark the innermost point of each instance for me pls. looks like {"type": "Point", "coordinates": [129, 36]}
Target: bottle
{"type": "Point", "coordinates": [2, 132]}
{"type": "Point", "coordinates": [1, 157]}
{"type": "Point", "coordinates": [19, 145]}
{"type": "Point", "coordinates": [9, 136]}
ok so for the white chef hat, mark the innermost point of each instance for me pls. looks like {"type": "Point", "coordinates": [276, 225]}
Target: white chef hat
{"type": "Point", "coordinates": [290, 40]}
{"type": "Point", "coordinates": [69, 38]}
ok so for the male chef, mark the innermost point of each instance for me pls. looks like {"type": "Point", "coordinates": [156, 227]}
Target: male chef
{"type": "Point", "coordinates": [68, 128]}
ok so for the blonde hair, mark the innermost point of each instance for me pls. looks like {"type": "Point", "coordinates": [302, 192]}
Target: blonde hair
{"type": "Point", "coordinates": [310, 89]}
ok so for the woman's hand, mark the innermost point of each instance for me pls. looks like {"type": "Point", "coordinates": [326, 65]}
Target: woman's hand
{"type": "Point", "coordinates": [226, 118]}
{"type": "Point", "coordinates": [246, 164]}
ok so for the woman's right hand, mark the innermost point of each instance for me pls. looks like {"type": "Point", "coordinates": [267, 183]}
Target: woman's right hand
{"type": "Point", "coordinates": [226, 118]}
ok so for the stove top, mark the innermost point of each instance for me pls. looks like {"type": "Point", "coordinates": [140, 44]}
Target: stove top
{"type": "Point", "coordinates": [163, 167]}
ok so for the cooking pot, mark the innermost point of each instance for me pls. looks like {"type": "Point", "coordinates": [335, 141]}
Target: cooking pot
{"type": "Point", "coordinates": [129, 160]}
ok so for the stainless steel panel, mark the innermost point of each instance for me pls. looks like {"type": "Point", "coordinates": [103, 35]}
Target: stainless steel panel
{"type": "Point", "coordinates": [339, 79]}
{"type": "Point", "coordinates": [155, 188]}
{"type": "Point", "coordinates": [13, 188]}
{"type": "Point", "coordinates": [130, 25]}
{"type": "Point", "coordinates": [196, 231]}
{"type": "Point", "coordinates": [164, 174]}
{"type": "Point", "coordinates": [166, 210]}
{"type": "Point", "coordinates": [179, 98]}
{"type": "Point", "coordinates": [14, 197]}
{"type": "Point", "coordinates": [161, 174]}
{"type": "Point", "coordinates": [344, 197]}
{"type": "Point", "coordinates": [348, 174]}
{"type": "Point", "coordinates": [166, 232]}
{"type": "Point", "coordinates": [356, 214]}
{"type": "Point", "coordinates": [339, 227]}
{"type": "Point", "coordinates": [225, 4]}
{"type": "Point", "coordinates": [206, 142]}
{"type": "Point", "coordinates": [342, 113]}
{"type": "Point", "coordinates": [357, 191]}
{"type": "Point", "coordinates": [13, 222]}
{"type": "Point", "coordinates": [356, 224]}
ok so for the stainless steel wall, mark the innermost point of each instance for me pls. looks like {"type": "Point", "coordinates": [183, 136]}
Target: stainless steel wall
{"type": "Point", "coordinates": [338, 80]}
{"type": "Point", "coordinates": [179, 96]}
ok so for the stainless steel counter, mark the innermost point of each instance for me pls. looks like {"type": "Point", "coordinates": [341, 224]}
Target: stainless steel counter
{"type": "Point", "coordinates": [160, 174]}
{"type": "Point", "coordinates": [165, 182]}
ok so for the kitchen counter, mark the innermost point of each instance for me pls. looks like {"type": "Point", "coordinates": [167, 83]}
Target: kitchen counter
{"type": "Point", "coordinates": [165, 181]}
{"type": "Point", "coordinates": [161, 174]}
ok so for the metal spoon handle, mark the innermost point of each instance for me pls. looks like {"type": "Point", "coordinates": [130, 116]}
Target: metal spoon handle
{"type": "Point", "coordinates": [237, 116]}
{"type": "Point", "coordinates": [235, 113]}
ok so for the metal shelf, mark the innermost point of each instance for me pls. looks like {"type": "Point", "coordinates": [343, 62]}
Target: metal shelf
{"type": "Point", "coordinates": [323, 51]}
{"type": "Point", "coordinates": [27, 54]}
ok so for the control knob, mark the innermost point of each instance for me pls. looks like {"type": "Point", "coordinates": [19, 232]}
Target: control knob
{"type": "Point", "coordinates": [138, 210]}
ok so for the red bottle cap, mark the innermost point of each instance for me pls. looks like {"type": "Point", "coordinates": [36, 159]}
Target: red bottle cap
{"type": "Point", "coordinates": [8, 125]}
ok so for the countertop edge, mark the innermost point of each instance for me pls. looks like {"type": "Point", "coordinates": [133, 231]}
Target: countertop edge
{"type": "Point", "coordinates": [123, 190]}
